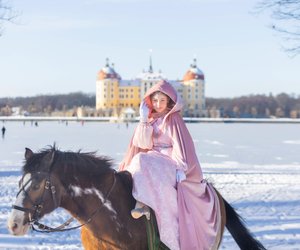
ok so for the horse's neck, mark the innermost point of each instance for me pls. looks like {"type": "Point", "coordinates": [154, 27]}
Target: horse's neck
{"type": "Point", "coordinates": [91, 204]}
{"type": "Point", "coordinates": [109, 216]}
{"type": "Point", "coordinates": [83, 201]}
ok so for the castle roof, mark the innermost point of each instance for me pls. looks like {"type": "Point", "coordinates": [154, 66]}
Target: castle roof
{"type": "Point", "coordinates": [194, 73]}
{"type": "Point", "coordinates": [108, 72]}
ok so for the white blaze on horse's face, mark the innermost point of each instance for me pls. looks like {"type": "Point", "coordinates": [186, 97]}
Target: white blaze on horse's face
{"type": "Point", "coordinates": [16, 223]}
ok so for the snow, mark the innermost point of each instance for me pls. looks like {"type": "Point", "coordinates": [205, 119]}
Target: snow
{"type": "Point", "coordinates": [108, 70]}
{"type": "Point", "coordinates": [256, 167]}
{"type": "Point", "coordinates": [196, 71]}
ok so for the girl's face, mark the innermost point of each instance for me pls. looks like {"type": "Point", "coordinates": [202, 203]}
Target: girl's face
{"type": "Point", "coordinates": [159, 102]}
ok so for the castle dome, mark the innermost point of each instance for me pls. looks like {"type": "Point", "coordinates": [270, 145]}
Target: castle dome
{"type": "Point", "coordinates": [194, 73]}
{"type": "Point", "coordinates": [108, 72]}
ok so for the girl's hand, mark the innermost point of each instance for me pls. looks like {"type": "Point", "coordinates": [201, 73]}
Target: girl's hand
{"type": "Point", "coordinates": [144, 112]}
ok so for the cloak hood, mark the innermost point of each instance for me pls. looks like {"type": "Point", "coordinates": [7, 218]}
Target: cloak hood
{"type": "Point", "coordinates": [166, 88]}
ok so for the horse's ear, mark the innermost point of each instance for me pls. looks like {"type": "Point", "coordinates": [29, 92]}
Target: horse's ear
{"type": "Point", "coordinates": [28, 153]}
{"type": "Point", "coordinates": [49, 159]}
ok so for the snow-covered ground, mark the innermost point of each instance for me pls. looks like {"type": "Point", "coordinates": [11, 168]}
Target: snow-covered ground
{"type": "Point", "coordinates": [256, 167]}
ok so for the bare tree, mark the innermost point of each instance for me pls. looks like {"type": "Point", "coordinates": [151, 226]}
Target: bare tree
{"type": "Point", "coordinates": [6, 14]}
{"type": "Point", "coordinates": [286, 16]}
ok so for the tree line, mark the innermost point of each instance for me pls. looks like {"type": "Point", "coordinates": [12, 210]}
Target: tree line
{"type": "Point", "coordinates": [255, 106]}
{"type": "Point", "coordinates": [46, 104]}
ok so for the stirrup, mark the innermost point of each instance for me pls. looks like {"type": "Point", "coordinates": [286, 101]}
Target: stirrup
{"type": "Point", "coordinates": [139, 212]}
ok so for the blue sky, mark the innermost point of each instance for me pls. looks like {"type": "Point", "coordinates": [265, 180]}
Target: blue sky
{"type": "Point", "coordinates": [59, 46]}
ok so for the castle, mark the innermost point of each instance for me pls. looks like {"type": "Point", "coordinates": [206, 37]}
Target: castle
{"type": "Point", "coordinates": [118, 97]}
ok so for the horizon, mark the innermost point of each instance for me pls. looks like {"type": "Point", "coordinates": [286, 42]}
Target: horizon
{"type": "Point", "coordinates": [53, 50]}
{"type": "Point", "coordinates": [292, 95]}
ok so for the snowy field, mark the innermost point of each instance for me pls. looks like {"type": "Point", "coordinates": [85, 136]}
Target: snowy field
{"type": "Point", "coordinates": [256, 167]}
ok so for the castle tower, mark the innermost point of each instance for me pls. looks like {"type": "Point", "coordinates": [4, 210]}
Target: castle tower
{"type": "Point", "coordinates": [194, 91]}
{"type": "Point", "coordinates": [148, 78]}
{"type": "Point", "coordinates": [107, 88]}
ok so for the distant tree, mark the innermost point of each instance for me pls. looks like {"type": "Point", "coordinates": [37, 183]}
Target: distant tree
{"type": "Point", "coordinates": [49, 103]}
{"type": "Point", "coordinates": [286, 14]}
{"type": "Point", "coordinates": [6, 14]}
{"type": "Point", "coordinates": [282, 105]}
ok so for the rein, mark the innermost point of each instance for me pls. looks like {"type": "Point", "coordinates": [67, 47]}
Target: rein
{"type": "Point", "coordinates": [46, 229]}
{"type": "Point", "coordinates": [37, 206]}
{"type": "Point", "coordinates": [42, 228]}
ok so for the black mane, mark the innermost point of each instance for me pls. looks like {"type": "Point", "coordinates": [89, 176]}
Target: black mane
{"type": "Point", "coordinates": [69, 162]}
{"type": "Point", "coordinates": [72, 165]}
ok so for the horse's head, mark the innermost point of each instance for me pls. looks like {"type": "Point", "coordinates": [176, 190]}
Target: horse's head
{"type": "Point", "coordinates": [39, 193]}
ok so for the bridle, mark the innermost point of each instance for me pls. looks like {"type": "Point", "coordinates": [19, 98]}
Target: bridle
{"type": "Point", "coordinates": [37, 208]}
{"type": "Point", "coordinates": [35, 211]}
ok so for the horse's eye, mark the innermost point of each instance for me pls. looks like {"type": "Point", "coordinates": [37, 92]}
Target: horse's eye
{"type": "Point", "coordinates": [36, 187]}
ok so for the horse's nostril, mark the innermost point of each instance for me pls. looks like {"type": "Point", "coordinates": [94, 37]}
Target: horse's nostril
{"type": "Point", "coordinates": [15, 226]}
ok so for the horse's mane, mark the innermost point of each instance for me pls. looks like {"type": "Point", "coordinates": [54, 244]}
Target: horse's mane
{"type": "Point", "coordinates": [70, 162]}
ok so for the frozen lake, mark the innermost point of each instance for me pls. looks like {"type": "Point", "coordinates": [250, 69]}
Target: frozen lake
{"type": "Point", "coordinates": [256, 167]}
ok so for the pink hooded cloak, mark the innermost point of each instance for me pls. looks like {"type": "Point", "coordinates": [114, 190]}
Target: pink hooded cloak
{"type": "Point", "coordinates": [188, 213]}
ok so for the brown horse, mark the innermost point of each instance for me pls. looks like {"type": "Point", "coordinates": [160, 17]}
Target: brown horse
{"type": "Point", "coordinates": [97, 196]}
